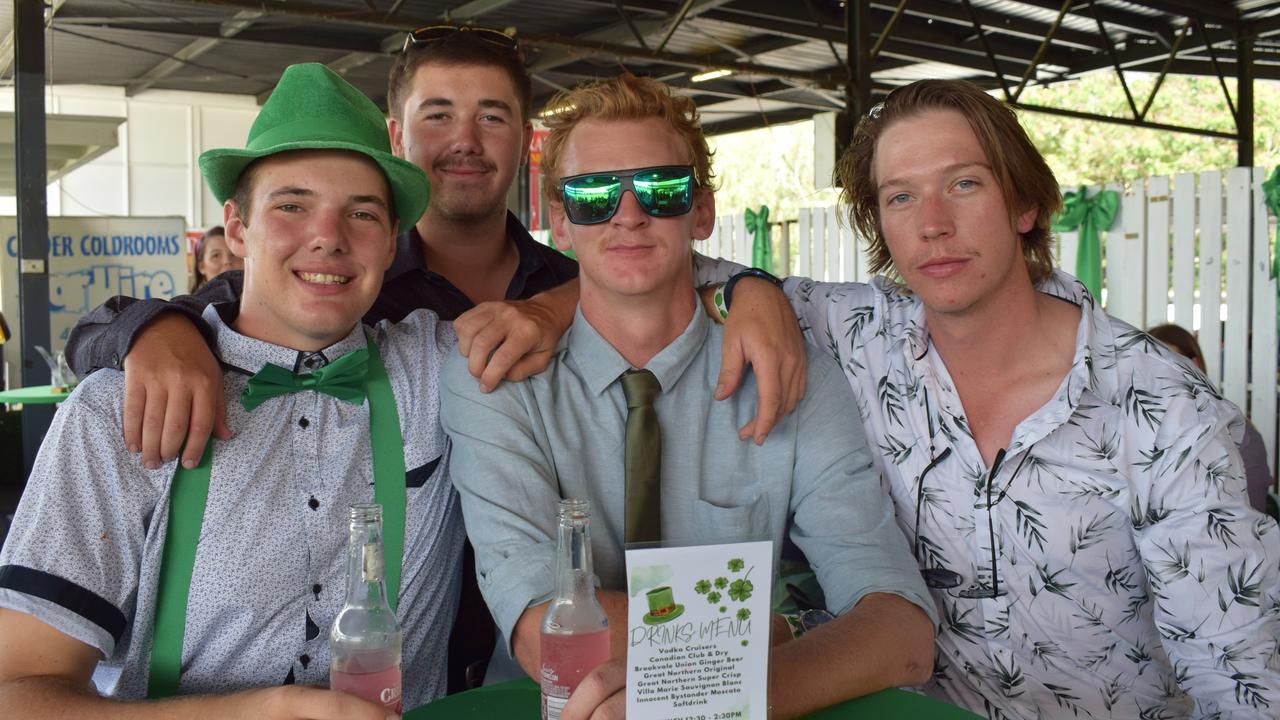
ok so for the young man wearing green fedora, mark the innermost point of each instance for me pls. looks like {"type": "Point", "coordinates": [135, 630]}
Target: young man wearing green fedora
{"type": "Point", "coordinates": [327, 413]}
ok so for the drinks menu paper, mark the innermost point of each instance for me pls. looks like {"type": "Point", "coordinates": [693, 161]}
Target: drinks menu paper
{"type": "Point", "coordinates": [698, 631]}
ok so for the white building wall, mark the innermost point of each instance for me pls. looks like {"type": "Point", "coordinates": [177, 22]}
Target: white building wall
{"type": "Point", "coordinates": [153, 170]}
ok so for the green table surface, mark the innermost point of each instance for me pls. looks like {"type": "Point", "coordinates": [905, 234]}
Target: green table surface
{"type": "Point", "coordinates": [34, 395]}
{"type": "Point", "coordinates": [518, 700]}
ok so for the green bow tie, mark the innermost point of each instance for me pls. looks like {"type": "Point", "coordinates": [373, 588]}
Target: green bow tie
{"type": "Point", "coordinates": [343, 378]}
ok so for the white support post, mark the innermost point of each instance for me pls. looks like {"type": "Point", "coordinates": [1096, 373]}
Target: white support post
{"type": "Point", "coordinates": [804, 245]}
{"type": "Point", "coordinates": [1184, 250]}
{"type": "Point", "coordinates": [1125, 245]}
{"type": "Point", "coordinates": [1156, 296]}
{"type": "Point", "coordinates": [1262, 364]}
{"type": "Point", "coordinates": [1235, 339]}
{"type": "Point", "coordinates": [835, 270]}
{"type": "Point", "coordinates": [817, 244]}
{"type": "Point", "coordinates": [1211, 273]}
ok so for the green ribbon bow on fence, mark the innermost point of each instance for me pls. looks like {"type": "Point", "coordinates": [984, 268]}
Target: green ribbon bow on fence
{"type": "Point", "coordinates": [761, 247]}
{"type": "Point", "coordinates": [1090, 215]}
{"type": "Point", "coordinates": [343, 378]}
{"type": "Point", "coordinates": [1271, 189]}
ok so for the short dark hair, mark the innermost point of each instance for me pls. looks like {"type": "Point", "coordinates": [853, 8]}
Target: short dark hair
{"type": "Point", "coordinates": [1023, 175]}
{"type": "Point", "coordinates": [243, 195]}
{"type": "Point", "coordinates": [460, 48]}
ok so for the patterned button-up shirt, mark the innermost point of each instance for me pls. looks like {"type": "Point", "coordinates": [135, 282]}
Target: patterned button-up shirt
{"type": "Point", "coordinates": [270, 573]}
{"type": "Point", "coordinates": [1137, 581]}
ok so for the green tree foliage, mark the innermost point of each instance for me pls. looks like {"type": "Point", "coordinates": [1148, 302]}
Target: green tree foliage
{"type": "Point", "coordinates": [1082, 151]}
{"type": "Point", "coordinates": [774, 165]}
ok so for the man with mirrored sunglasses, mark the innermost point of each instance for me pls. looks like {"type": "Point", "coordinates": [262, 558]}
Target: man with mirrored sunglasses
{"type": "Point", "coordinates": [593, 198]}
{"type": "Point", "coordinates": [636, 192]}
{"type": "Point", "coordinates": [1072, 490]}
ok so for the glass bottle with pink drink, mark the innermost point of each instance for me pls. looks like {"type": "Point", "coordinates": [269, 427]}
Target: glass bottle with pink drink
{"type": "Point", "coordinates": [575, 630]}
{"type": "Point", "coordinates": [364, 644]}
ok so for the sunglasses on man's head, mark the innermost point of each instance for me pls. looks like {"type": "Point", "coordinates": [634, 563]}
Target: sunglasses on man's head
{"type": "Point", "coordinates": [433, 33]}
{"type": "Point", "coordinates": [664, 191]}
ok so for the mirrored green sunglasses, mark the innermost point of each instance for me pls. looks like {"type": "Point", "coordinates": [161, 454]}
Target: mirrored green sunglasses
{"type": "Point", "coordinates": [663, 191]}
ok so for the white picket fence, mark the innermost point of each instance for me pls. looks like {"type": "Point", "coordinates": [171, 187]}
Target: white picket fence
{"type": "Point", "coordinates": [1211, 231]}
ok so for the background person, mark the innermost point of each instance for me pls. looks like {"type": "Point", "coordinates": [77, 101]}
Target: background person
{"type": "Point", "coordinates": [213, 257]}
{"type": "Point", "coordinates": [1252, 448]}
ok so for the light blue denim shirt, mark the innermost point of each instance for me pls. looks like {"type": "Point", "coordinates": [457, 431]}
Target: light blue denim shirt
{"type": "Point", "coordinates": [520, 449]}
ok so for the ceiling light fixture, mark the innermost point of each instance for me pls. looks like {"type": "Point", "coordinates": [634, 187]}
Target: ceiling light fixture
{"type": "Point", "coordinates": [710, 75]}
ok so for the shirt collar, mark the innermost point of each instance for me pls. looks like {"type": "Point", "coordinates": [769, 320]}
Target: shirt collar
{"type": "Point", "coordinates": [409, 255]}
{"type": "Point", "coordinates": [601, 365]}
{"type": "Point", "coordinates": [249, 355]}
{"type": "Point", "coordinates": [1093, 365]}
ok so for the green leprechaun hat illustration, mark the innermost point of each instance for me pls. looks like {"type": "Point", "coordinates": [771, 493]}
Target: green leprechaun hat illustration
{"type": "Point", "coordinates": [662, 606]}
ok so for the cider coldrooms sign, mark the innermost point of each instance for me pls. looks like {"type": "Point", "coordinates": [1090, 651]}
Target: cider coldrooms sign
{"type": "Point", "coordinates": [92, 259]}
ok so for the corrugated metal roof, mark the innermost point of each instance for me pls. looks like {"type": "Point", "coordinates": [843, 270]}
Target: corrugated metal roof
{"type": "Point", "coordinates": [240, 46]}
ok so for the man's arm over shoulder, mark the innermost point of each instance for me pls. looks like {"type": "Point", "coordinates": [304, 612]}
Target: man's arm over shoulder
{"type": "Point", "coordinates": [508, 487]}
{"type": "Point", "coordinates": [103, 337]}
{"type": "Point", "coordinates": [1220, 624]}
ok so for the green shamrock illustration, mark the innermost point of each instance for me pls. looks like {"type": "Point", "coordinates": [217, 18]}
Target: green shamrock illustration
{"type": "Point", "coordinates": [722, 583]}
{"type": "Point", "coordinates": [743, 614]}
{"type": "Point", "coordinates": [740, 590]}
{"type": "Point", "coordinates": [735, 565]}
{"type": "Point", "coordinates": [702, 587]}
{"type": "Point", "coordinates": [723, 609]}
{"type": "Point", "coordinates": [713, 597]}
{"type": "Point", "coordinates": [744, 643]}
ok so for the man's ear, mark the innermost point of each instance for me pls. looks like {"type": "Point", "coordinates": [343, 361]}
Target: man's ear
{"type": "Point", "coordinates": [528, 142]}
{"type": "Point", "coordinates": [560, 227]}
{"type": "Point", "coordinates": [234, 229]}
{"type": "Point", "coordinates": [704, 213]}
{"type": "Point", "coordinates": [1027, 220]}
{"type": "Point", "coordinates": [395, 131]}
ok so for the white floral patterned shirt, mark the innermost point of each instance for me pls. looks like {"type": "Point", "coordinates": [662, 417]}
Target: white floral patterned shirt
{"type": "Point", "coordinates": [1137, 582]}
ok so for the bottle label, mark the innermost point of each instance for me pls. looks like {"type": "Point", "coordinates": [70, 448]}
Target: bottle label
{"type": "Point", "coordinates": [371, 562]}
{"type": "Point", "coordinates": [552, 707]}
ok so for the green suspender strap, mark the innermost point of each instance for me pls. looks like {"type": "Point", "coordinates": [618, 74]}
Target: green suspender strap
{"type": "Point", "coordinates": [186, 515]}
{"type": "Point", "coordinates": [388, 468]}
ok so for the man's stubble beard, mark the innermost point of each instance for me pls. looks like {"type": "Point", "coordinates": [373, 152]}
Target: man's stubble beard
{"type": "Point", "coordinates": [464, 207]}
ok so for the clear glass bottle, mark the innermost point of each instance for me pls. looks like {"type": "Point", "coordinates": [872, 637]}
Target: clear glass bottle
{"type": "Point", "coordinates": [365, 642]}
{"type": "Point", "coordinates": [575, 629]}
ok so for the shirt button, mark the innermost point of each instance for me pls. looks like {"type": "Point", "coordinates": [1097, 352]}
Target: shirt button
{"type": "Point", "coordinates": [305, 660]}
{"type": "Point", "coordinates": [313, 503]}
{"type": "Point", "coordinates": [303, 422]}
{"type": "Point", "coordinates": [315, 590]}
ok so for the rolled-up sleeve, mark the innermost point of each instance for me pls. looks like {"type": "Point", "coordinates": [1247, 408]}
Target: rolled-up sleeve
{"type": "Point", "coordinates": [508, 488]}
{"type": "Point", "coordinates": [843, 518]}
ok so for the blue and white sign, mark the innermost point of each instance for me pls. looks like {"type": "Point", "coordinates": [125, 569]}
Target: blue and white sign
{"type": "Point", "coordinates": [92, 259]}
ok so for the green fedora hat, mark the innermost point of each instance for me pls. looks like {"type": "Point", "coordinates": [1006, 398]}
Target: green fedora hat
{"type": "Point", "coordinates": [312, 108]}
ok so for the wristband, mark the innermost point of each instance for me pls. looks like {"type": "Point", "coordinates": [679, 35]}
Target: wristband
{"type": "Point", "coordinates": [749, 272]}
{"type": "Point", "coordinates": [721, 306]}
{"type": "Point", "coordinates": [806, 620]}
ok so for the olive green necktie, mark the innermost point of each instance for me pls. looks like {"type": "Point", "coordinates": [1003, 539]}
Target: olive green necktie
{"type": "Point", "coordinates": [643, 458]}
